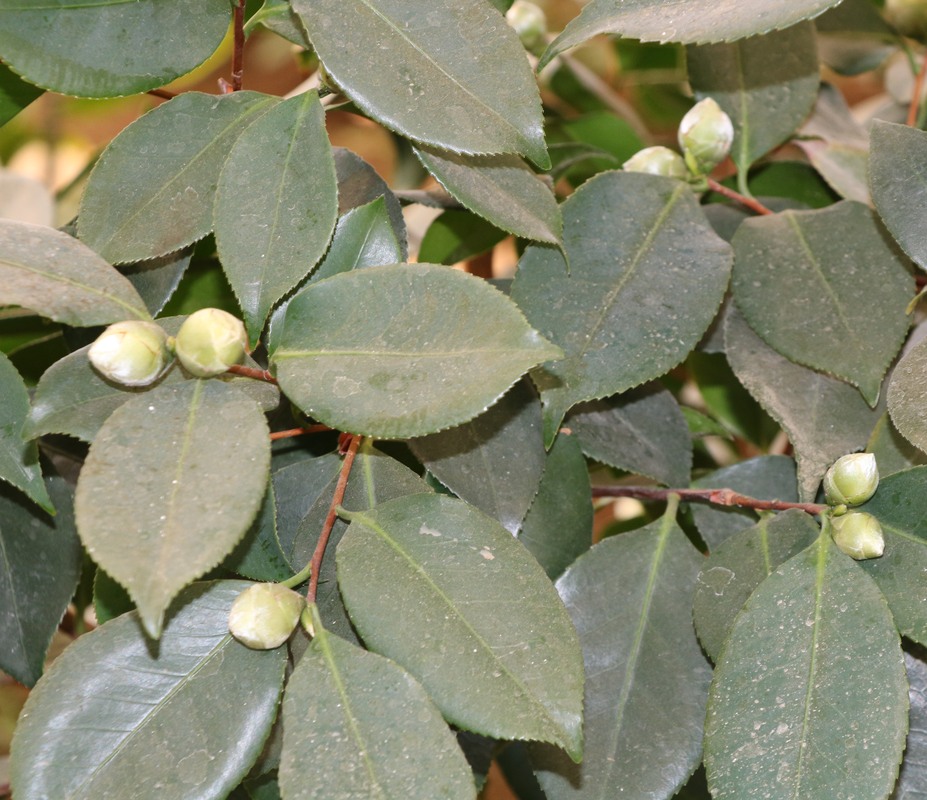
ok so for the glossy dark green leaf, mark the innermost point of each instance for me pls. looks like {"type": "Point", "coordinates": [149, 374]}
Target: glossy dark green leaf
{"type": "Point", "coordinates": [131, 212]}
{"type": "Point", "coordinates": [809, 697]}
{"type": "Point", "coordinates": [458, 235]}
{"type": "Point", "coordinates": [825, 418]}
{"type": "Point", "coordinates": [503, 189]}
{"type": "Point", "coordinates": [19, 459]}
{"type": "Point", "coordinates": [278, 16]}
{"type": "Point", "coordinates": [763, 477]}
{"type": "Point", "coordinates": [495, 461]}
{"type": "Point", "coordinates": [449, 74]}
{"type": "Point", "coordinates": [110, 600]}
{"type": "Point", "coordinates": [893, 452]}
{"type": "Point", "coordinates": [15, 94]}
{"type": "Point", "coordinates": [259, 555]}
{"type": "Point", "coordinates": [686, 21]}
{"type": "Point", "coordinates": [73, 398]}
{"type": "Point", "coordinates": [629, 598]}
{"type": "Point", "coordinates": [407, 367]}
{"type": "Point", "coordinates": [56, 276]}
{"type": "Point", "coordinates": [825, 289]}
{"type": "Point", "coordinates": [898, 181]}
{"type": "Point", "coordinates": [185, 719]}
{"type": "Point", "coordinates": [558, 526]}
{"type": "Point", "coordinates": [906, 394]}
{"type": "Point", "coordinates": [913, 776]}
{"type": "Point", "coordinates": [172, 481]}
{"type": "Point", "coordinates": [94, 49]}
{"type": "Point", "coordinates": [40, 563]}
{"type": "Point", "coordinates": [375, 478]}
{"type": "Point", "coordinates": [157, 279]}
{"type": "Point", "coordinates": [900, 505]}
{"type": "Point", "coordinates": [766, 84]}
{"type": "Point", "coordinates": [276, 205]}
{"type": "Point", "coordinates": [739, 565]}
{"type": "Point", "coordinates": [645, 279]}
{"type": "Point", "coordinates": [642, 431]}
{"type": "Point", "coordinates": [356, 725]}
{"type": "Point", "coordinates": [449, 594]}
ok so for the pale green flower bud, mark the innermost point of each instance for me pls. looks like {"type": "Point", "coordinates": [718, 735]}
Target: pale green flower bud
{"type": "Point", "coordinates": [705, 136]}
{"type": "Point", "coordinates": [264, 615]}
{"type": "Point", "coordinates": [852, 479]}
{"type": "Point", "coordinates": [210, 341]}
{"type": "Point", "coordinates": [859, 535]}
{"type": "Point", "coordinates": [529, 23]}
{"type": "Point", "coordinates": [658, 161]}
{"type": "Point", "coordinates": [133, 353]}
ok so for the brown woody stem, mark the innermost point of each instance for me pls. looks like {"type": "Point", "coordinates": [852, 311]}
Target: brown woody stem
{"type": "Point", "coordinates": [238, 54]}
{"type": "Point", "coordinates": [720, 497]}
{"type": "Point", "coordinates": [288, 434]}
{"type": "Point", "coordinates": [754, 205]}
{"type": "Point", "coordinates": [251, 372]}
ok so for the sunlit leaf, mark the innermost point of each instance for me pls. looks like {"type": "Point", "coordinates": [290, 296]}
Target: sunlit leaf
{"type": "Point", "coordinates": [184, 719]}
{"type": "Point", "coordinates": [172, 481]}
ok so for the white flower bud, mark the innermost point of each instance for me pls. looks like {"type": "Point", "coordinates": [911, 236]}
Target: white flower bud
{"type": "Point", "coordinates": [264, 615]}
{"type": "Point", "coordinates": [529, 23]}
{"type": "Point", "coordinates": [852, 479]}
{"type": "Point", "coordinates": [133, 353]}
{"type": "Point", "coordinates": [210, 341]}
{"type": "Point", "coordinates": [706, 134]}
{"type": "Point", "coordinates": [658, 161]}
{"type": "Point", "coordinates": [859, 535]}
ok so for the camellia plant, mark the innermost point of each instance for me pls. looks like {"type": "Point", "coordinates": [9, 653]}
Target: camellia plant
{"type": "Point", "coordinates": [333, 529]}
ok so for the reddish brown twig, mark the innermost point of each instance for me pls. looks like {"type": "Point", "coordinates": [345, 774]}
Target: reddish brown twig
{"type": "Point", "coordinates": [720, 497]}
{"type": "Point", "coordinates": [290, 433]}
{"type": "Point", "coordinates": [164, 94]}
{"type": "Point", "coordinates": [238, 53]}
{"type": "Point", "coordinates": [251, 372]}
{"type": "Point", "coordinates": [337, 497]}
{"type": "Point", "coordinates": [918, 91]}
{"type": "Point", "coordinates": [754, 205]}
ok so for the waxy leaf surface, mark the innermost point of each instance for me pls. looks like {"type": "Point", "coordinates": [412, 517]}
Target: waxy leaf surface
{"type": "Point", "coordinates": [809, 697]}
{"type": "Point", "coordinates": [184, 719]}
{"type": "Point", "coordinates": [58, 277]}
{"type": "Point", "coordinates": [93, 49]}
{"type": "Point", "coordinates": [450, 74]}
{"type": "Point", "coordinates": [276, 205]}
{"type": "Point", "coordinates": [449, 594]}
{"type": "Point", "coordinates": [443, 348]}
{"type": "Point", "coordinates": [825, 289]}
{"type": "Point", "coordinates": [907, 392]}
{"type": "Point", "coordinates": [171, 484]}
{"type": "Point", "coordinates": [646, 276]}
{"type": "Point", "coordinates": [363, 727]}
{"type": "Point", "coordinates": [629, 598]}
{"type": "Point", "coordinates": [40, 562]}
{"type": "Point", "coordinates": [15, 94]}
{"type": "Point", "coordinates": [132, 212]}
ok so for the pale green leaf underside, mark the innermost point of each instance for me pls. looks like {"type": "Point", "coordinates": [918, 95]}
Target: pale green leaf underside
{"type": "Point", "coordinates": [907, 396]}
{"type": "Point", "coordinates": [19, 459]}
{"type": "Point", "coordinates": [686, 21]}
{"type": "Point", "coordinates": [172, 481]}
{"type": "Point", "coordinates": [646, 276]}
{"type": "Point", "coordinates": [824, 417]}
{"type": "Point", "coordinates": [186, 719]}
{"type": "Point", "coordinates": [132, 212]}
{"type": "Point", "coordinates": [739, 565]}
{"type": "Point", "coordinates": [58, 277]}
{"type": "Point", "coordinates": [362, 727]}
{"type": "Point", "coordinates": [109, 49]}
{"type": "Point", "coordinates": [276, 205]}
{"type": "Point", "coordinates": [900, 505]}
{"type": "Point", "coordinates": [898, 178]}
{"type": "Point", "coordinates": [433, 348]}
{"type": "Point", "coordinates": [445, 73]}
{"type": "Point", "coordinates": [502, 189]}
{"type": "Point", "coordinates": [809, 697]}
{"type": "Point", "coordinates": [73, 398]}
{"type": "Point", "coordinates": [826, 290]}
{"type": "Point", "coordinates": [766, 84]}
{"type": "Point", "coordinates": [629, 598]}
{"type": "Point", "coordinates": [449, 594]}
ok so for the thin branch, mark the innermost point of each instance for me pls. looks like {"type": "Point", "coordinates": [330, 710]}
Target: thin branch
{"type": "Point", "coordinates": [918, 92]}
{"type": "Point", "coordinates": [720, 497]}
{"type": "Point", "coordinates": [316, 563]}
{"type": "Point", "coordinates": [251, 372]}
{"type": "Point", "coordinates": [238, 54]}
{"type": "Point", "coordinates": [288, 434]}
{"type": "Point", "coordinates": [164, 94]}
{"type": "Point", "coordinates": [754, 205]}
